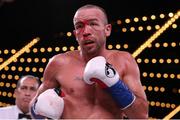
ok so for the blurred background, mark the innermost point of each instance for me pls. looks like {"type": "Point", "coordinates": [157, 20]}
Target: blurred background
{"type": "Point", "coordinates": [44, 28]}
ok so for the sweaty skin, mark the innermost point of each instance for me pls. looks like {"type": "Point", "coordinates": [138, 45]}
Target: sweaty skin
{"type": "Point", "coordinates": [66, 70]}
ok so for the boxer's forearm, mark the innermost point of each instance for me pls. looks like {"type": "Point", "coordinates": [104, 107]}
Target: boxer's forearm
{"type": "Point", "coordinates": [138, 110]}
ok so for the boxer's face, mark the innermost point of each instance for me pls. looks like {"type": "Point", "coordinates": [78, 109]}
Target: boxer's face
{"type": "Point", "coordinates": [91, 29]}
{"type": "Point", "coordinates": [25, 92]}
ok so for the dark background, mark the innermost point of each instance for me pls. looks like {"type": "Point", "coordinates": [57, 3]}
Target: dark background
{"type": "Point", "coordinates": [22, 20]}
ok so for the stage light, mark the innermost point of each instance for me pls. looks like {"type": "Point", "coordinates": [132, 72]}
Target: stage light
{"type": "Point", "coordinates": [13, 51]}
{"type": "Point", "coordinates": [174, 26]}
{"type": "Point", "coordinates": [153, 17]}
{"type": "Point", "coordinates": [41, 70]}
{"type": "Point", "coordinates": [157, 27]}
{"type": "Point", "coordinates": [29, 60]}
{"type": "Point", "coordinates": [72, 48]}
{"type": "Point", "coordinates": [42, 50]}
{"type": "Point", "coordinates": [140, 28]}
{"type": "Point", "coordinates": [148, 28]}
{"type": "Point", "coordinates": [9, 77]}
{"type": "Point", "coordinates": [36, 60]}
{"type": "Point", "coordinates": [162, 16]}
{"type": "Point", "coordinates": [127, 20]}
{"type": "Point", "coordinates": [34, 69]}
{"type": "Point", "coordinates": [49, 49]}
{"type": "Point", "coordinates": [16, 77]}
{"type": "Point", "coordinates": [110, 46]}
{"type": "Point", "coordinates": [125, 46]}
{"type": "Point", "coordinates": [27, 69]}
{"type": "Point", "coordinates": [43, 60]}
{"type": "Point", "coordinates": [119, 22]}
{"type": "Point", "coordinates": [6, 51]}
{"type": "Point", "coordinates": [118, 46]}
{"type": "Point", "coordinates": [13, 68]}
{"type": "Point", "coordinates": [162, 89]}
{"type": "Point", "coordinates": [22, 60]}
{"type": "Point", "coordinates": [69, 34]}
{"type": "Point", "coordinates": [1, 59]}
{"type": "Point", "coordinates": [144, 18]}
{"type": "Point", "coordinates": [35, 50]}
{"type": "Point", "coordinates": [136, 19]}
{"type": "Point", "coordinates": [132, 29]}
{"type": "Point", "coordinates": [64, 48]}
{"type": "Point", "coordinates": [57, 49]}
{"type": "Point", "coordinates": [124, 30]}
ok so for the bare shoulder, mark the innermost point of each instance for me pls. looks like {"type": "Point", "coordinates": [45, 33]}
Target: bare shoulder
{"type": "Point", "coordinates": [121, 56]}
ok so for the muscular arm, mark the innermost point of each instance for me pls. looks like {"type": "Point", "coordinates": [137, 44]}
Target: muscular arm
{"type": "Point", "coordinates": [139, 109]}
{"type": "Point", "coordinates": [49, 77]}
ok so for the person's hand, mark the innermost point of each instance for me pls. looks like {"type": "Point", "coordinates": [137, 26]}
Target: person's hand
{"type": "Point", "coordinates": [48, 105]}
{"type": "Point", "coordinates": [98, 71]}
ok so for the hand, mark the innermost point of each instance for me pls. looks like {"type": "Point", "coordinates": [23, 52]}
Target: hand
{"type": "Point", "coordinates": [99, 71]}
{"type": "Point", "coordinates": [48, 105]}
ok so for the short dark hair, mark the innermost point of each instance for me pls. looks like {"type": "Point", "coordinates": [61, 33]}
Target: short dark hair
{"type": "Point", "coordinates": [28, 76]}
{"type": "Point", "coordinates": [98, 7]}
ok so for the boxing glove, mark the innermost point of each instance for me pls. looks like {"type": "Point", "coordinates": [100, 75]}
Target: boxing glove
{"type": "Point", "coordinates": [48, 105]}
{"type": "Point", "coordinates": [99, 71]}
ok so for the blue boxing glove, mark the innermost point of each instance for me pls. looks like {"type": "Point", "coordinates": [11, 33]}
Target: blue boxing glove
{"type": "Point", "coordinates": [48, 104]}
{"type": "Point", "coordinates": [99, 71]}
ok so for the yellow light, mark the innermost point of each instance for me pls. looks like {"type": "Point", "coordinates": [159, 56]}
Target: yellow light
{"type": "Point", "coordinates": [178, 76]}
{"type": "Point", "coordinates": [144, 18]}
{"type": "Point", "coordinates": [4, 93]}
{"type": "Point", "coordinates": [64, 48]}
{"type": "Point", "coordinates": [161, 60]}
{"type": "Point", "coordinates": [34, 69]}
{"type": "Point", "coordinates": [43, 60]}
{"type": "Point", "coordinates": [165, 75]}
{"type": "Point", "coordinates": [170, 14]}
{"type": "Point", "coordinates": [158, 75]}
{"type": "Point", "coordinates": [163, 104]}
{"type": "Point", "coordinates": [49, 49]}
{"type": "Point", "coordinates": [29, 60]}
{"type": "Point", "coordinates": [154, 60]}
{"type": "Point", "coordinates": [157, 27]}
{"type": "Point", "coordinates": [16, 77]}
{"type": "Point", "coordinates": [13, 68]}
{"type": "Point", "coordinates": [156, 89]}
{"type": "Point", "coordinates": [172, 76]}
{"type": "Point", "coordinates": [157, 104]}
{"type": "Point", "coordinates": [148, 27]}
{"type": "Point", "coordinates": [146, 60]}
{"type": "Point", "coordinates": [6, 51]}
{"type": "Point", "coordinates": [144, 74]}
{"type": "Point", "coordinates": [69, 34]}
{"type": "Point", "coordinates": [35, 50]}
{"type": "Point", "coordinates": [124, 29]}
{"type": "Point", "coordinates": [36, 60]}
{"type": "Point", "coordinates": [20, 52]}
{"type": "Point", "coordinates": [173, 44]}
{"type": "Point", "coordinates": [9, 94]}
{"type": "Point", "coordinates": [132, 29]}
{"type": "Point", "coordinates": [151, 75]}
{"type": "Point", "coordinates": [9, 77]}
{"type": "Point", "coordinates": [13, 51]}
{"type": "Point", "coordinates": [127, 20]}
{"type": "Point", "coordinates": [125, 46]}
{"type": "Point", "coordinates": [3, 76]}
{"type": "Point", "coordinates": [169, 61]}
{"type": "Point", "coordinates": [1, 84]}
{"type": "Point", "coordinates": [41, 70]}
{"type": "Point", "coordinates": [27, 69]}
{"type": "Point", "coordinates": [162, 89]}
{"type": "Point", "coordinates": [152, 103]}
{"type": "Point", "coordinates": [136, 19]}
{"type": "Point", "coordinates": [13, 85]}
{"type": "Point", "coordinates": [150, 88]}
{"type": "Point", "coordinates": [1, 59]}
{"type": "Point", "coordinates": [165, 44]}
{"type": "Point", "coordinates": [174, 26]}
{"type": "Point", "coordinates": [6, 68]}
{"type": "Point", "coordinates": [153, 17]}
{"type": "Point", "coordinates": [57, 49]}
{"type": "Point", "coordinates": [140, 28]}
{"type": "Point", "coordinates": [162, 16]}
{"type": "Point", "coordinates": [119, 22]}
{"type": "Point", "coordinates": [110, 46]}
{"type": "Point", "coordinates": [42, 50]}
{"type": "Point", "coordinates": [118, 46]}
{"type": "Point", "coordinates": [139, 60]}
{"type": "Point", "coordinates": [72, 48]}
{"type": "Point", "coordinates": [22, 60]}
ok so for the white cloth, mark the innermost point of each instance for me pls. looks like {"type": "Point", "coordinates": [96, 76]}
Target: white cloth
{"type": "Point", "coordinates": [9, 112]}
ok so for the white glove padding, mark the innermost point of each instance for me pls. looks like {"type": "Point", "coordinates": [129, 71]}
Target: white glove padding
{"type": "Point", "coordinates": [49, 104]}
{"type": "Point", "coordinates": [98, 68]}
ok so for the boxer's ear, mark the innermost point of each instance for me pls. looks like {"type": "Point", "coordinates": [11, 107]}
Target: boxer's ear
{"type": "Point", "coordinates": [108, 29]}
